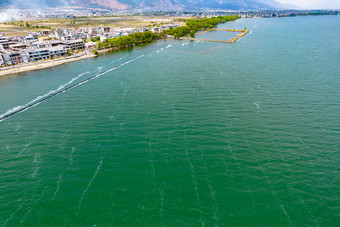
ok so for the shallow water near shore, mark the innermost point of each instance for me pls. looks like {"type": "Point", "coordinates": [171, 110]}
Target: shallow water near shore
{"type": "Point", "coordinates": [188, 134]}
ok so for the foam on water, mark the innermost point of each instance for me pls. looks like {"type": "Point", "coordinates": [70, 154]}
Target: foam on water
{"type": "Point", "coordinates": [100, 68]}
{"type": "Point", "coordinates": [15, 212]}
{"type": "Point", "coordinates": [57, 189]}
{"type": "Point", "coordinates": [36, 165]}
{"type": "Point", "coordinates": [71, 154]}
{"type": "Point", "coordinates": [89, 184]}
{"type": "Point", "coordinates": [24, 149]}
{"type": "Point", "coordinates": [119, 59]}
{"type": "Point", "coordinates": [17, 127]}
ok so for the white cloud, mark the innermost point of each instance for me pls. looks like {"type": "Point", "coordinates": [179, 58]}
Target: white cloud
{"type": "Point", "coordinates": [9, 15]}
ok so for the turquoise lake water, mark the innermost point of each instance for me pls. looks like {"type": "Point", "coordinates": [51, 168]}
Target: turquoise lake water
{"type": "Point", "coordinates": [187, 134]}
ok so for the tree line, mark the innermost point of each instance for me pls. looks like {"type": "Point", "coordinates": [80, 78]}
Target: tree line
{"type": "Point", "coordinates": [192, 26]}
{"type": "Point", "coordinates": [140, 38]}
{"type": "Point", "coordinates": [134, 39]}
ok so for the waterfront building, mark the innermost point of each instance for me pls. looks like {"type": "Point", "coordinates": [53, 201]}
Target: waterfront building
{"type": "Point", "coordinates": [37, 54]}
{"type": "Point", "coordinates": [58, 33]}
{"type": "Point", "coordinates": [4, 44]}
{"type": "Point", "coordinates": [11, 57]}
{"type": "Point", "coordinates": [105, 29]}
{"type": "Point", "coordinates": [31, 38]}
{"type": "Point", "coordinates": [79, 35]}
{"type": "Point", "coordinates": [18, 46]}
{"type": "Point", "coordinates": [90, 45]}
{"type": "Point", "coordinates": [143, 29]}
{"type": "Point", "coordinates": [155, 29]}
{"type": "Point", "coordinates": [54, 43]}
{"type": "Point", "coordinates": [39, 45]}
{"type": "Point", "coordinates": [77, 44]}
{"type": "Point", "coordinates": [1, 59]}
{"type": "Point", "coordinates": [66, 37]}
{"type": "Point", "coordinates": [58, 51]}
{"type": "Point", "coordinates": [46, 32]}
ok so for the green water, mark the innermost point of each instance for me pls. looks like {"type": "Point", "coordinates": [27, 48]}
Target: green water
{"type": "Point", "coordinates": [190, 134]}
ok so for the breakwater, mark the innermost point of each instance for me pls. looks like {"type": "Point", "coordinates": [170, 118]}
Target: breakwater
{"type": "Point", "coordinates": [243, 33]}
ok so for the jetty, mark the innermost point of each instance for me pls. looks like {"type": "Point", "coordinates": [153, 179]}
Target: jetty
{"type": "Point", "coordinates": [242, 33]}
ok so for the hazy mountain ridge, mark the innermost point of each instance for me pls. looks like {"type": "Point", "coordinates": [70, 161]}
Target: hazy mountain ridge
{"type": "Point", "coordinates": [148, 4]}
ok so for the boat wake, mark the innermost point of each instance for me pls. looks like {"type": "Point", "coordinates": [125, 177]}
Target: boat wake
{"type": "Point", "coordinates": [63, 88]}
{"type": "Point", "coordinates": [31, 103]}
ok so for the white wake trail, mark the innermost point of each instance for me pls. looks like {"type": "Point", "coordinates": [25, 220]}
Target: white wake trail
{"type": "Point", "coordinates": [62, 89]}
{"type": "Point", "coordinates": [14, 109]}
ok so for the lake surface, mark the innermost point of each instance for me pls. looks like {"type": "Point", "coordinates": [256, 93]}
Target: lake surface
{"type": "Point", "coordinates": [187, 134]}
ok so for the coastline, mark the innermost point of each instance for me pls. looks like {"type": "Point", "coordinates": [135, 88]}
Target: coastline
{"type": "Point", "coordinates": [55, 62]}
{"type": "Point", "coordinates": [50, 63]}
{"type": "Point", "coordinates": [43, 65]}
{"type": "Point", "coordinates": [131, 40]}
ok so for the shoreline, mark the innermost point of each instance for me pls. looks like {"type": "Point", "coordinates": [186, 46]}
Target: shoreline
{"type": "Point", "coordinates": [51, 63]}
{"type": "Point", "coordinates": [48, 63]}
{"type": "Point", "coordinates": [55, 62]}
{"type": "Point", "coordinates": [43, 65]}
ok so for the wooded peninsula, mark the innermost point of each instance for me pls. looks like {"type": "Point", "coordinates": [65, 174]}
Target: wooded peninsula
{"type": "Point", "coordinates": [140, 38]}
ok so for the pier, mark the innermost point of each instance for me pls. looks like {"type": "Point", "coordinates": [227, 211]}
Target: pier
{"type": "Point", "coordinates": [243, 33]}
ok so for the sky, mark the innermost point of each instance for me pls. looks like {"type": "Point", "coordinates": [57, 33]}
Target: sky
{"type": "Point", "coordinates": [314, 4]}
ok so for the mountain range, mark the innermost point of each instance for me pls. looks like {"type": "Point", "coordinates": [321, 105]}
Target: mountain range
{"type": "Point", "coordinates": [149, 4]}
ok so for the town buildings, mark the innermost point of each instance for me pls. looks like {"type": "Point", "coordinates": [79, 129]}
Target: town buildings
{"type": "Point", "coordinates": [60, 43]}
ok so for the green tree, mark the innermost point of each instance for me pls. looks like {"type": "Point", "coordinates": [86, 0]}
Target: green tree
{"type": "Point", "coordinates": [99, 45]}
{"type": "Point", "coordinates": [96, 52]}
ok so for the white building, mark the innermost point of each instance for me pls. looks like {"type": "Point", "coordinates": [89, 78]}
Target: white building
{"type": "Point", "coordinates": [37, 54]}
{"type": "Point", "coordinates": [77, 44]}
{"type": "Point", "coordinates": [155, 29]}
{"type": "Point", "coordinates": [11, 57]}
{"type": "Point", "coordinates": [58, 51]}
{"type": "Point", "coordinates": [1, 59]}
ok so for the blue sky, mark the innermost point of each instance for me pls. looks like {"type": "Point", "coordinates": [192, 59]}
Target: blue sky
{"type": "Point", "coordinates": [314, 4]}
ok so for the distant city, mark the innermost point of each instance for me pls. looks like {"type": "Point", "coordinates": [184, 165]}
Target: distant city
{"type": "Point", "coordinates": [69, 13]}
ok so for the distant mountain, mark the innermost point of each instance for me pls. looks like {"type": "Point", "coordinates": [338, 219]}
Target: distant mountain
{"type": "Point", "coordinates": [182, 4]}
{"type": "Point", "coordinates": [148, 4]}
